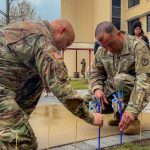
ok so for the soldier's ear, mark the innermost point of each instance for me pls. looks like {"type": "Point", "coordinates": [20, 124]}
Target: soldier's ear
{"type": "Point", "coordinates": [62, 29]}
{"type": "Point", "coordinates": [118, 33]}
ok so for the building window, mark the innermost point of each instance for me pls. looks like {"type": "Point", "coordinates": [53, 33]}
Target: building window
{"type": "Point", "coordinates": [116, 3]}
{"type": "Point", "coordinates": [116, 22]}
{"type": "Point", "coordinates": [116, 12]}
{"type": "Point", "coordinates": [132, 3]}
{"type": "Point", "coordinates": [130, 25]}
{"type": "Point", "coordinates": [148, 23]}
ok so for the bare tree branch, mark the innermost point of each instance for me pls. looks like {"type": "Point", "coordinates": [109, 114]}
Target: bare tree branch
{"type": "Point", "coordinates": [10, 2]}
{"type": "Point", "coordinates": [18, 16]}
{"type": "Point", "coordinates": [20, 11]}
{"type": "Point", "coordinates": [1, 12]}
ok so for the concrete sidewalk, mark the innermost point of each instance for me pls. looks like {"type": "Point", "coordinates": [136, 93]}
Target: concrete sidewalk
{"type": "Point", "coordinates": [93, 144]}
{"type": "Point", "coordinates": [105, 142]}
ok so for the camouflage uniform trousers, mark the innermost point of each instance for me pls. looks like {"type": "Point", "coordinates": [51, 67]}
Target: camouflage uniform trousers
{"type": "Point", "coordinates": [83, 72]}
{"type": "Point", "coordinates": [123, 82]}
{"type": "Point", "coordinates": [15, 130]}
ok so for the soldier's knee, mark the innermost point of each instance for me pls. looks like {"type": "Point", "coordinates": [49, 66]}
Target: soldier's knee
{"type": "Point", "coordinates": [122, 80]}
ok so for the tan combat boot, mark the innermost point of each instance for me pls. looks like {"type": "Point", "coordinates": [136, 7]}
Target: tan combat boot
{"type": "Point", "coordinates": [115, 121]}
{"type": "Point", "coordinates": [133, 128]}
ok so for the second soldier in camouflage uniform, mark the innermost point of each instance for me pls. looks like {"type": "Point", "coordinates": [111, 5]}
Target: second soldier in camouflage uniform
{"type": "Point", "coordinates": [122, 61]}
{"type": "Point", "coordinates": [83, 67]}
{"type": "Point", "coordinates": [30, 62]}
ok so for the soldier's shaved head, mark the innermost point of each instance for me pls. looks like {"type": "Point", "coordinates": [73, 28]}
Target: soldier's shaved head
{"type": "Point", "coordinates": [63, 33]}
{"type": "Point", "coordinates": [64, 23]}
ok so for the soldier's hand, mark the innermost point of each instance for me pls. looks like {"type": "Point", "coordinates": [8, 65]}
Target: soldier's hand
{"type": "Point", "coordinates": [100, 95]}
{"type": "Point", "coordinates": [98, 119]}
{"type": "Point", "coordinates": [126, 120]}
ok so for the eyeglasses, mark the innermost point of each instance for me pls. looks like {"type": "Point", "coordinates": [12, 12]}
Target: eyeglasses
{"type": "Point", "coordinates": [109, 44]}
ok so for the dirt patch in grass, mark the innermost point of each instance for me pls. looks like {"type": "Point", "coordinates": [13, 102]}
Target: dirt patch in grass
{"type": "Point", "coordinates": [138, 145]}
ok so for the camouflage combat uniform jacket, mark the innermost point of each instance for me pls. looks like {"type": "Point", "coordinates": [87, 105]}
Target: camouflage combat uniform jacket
{"type": "Point", "coordinates": [27, 52]}
{"type": "Point", "coordinates": [134, 61]}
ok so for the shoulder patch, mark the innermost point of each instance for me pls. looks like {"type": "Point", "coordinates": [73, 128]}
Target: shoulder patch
{"type": "Point", "coordinates": [57, 55]}
{"type": "Point", "coordinates": [144, 61]}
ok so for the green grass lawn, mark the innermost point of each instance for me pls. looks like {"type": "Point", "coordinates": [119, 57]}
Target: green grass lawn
{"type": "Point", "coordinates": [143, 145]}
{"type": "Point", "coordinates": [79, 84]}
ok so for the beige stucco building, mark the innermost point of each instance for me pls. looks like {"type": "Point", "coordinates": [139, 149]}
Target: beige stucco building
{"type": "Point", "coordinates": [86, 14]}
{"type": "Point", "coordinates": [140, 11]}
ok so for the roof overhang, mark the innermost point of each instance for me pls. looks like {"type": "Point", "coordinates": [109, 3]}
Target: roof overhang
{"type": "Point", "coordinates": [81, 46]}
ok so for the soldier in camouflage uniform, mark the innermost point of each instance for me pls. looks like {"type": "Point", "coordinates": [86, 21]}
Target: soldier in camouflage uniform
{"type": "Point", "coordinates": [122, 62]}
{"type": "Point", "coordinates": [30, 61]}
{"type": "Point", "coordinates": [83, 67]}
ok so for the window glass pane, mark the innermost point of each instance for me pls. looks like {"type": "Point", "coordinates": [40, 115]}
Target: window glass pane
{"type": "Point", "coordinates": [116, 3]}
{"type": "Point", "coordinates": [116, 22]}
{"type": "Point", "coordinates": [132, 3]}
{"type": "Point", "coordinates": [116, 11]}
{"type": "Point", "coordinates": [148, 23]}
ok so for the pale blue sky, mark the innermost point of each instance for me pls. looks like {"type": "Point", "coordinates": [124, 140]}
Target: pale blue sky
{"type": "Point", "coordinates": [46, 9]}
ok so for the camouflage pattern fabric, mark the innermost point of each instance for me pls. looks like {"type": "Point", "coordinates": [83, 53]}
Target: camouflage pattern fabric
{"type": "Point", "coordinates": [131, 69]}
{"type": "Point", "coordinates": [30, 62]}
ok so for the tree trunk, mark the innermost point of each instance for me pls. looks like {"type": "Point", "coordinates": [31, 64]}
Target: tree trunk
{"type": "Point", "coordinates": [7, 12]}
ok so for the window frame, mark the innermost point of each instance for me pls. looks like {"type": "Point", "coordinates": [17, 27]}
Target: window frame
{"type": "Point", "coordinates": [148, 24]}
{"type": "Point", "coordinates": [132, 4]}
{"type": "Point", "coordinates": [116, 14]}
